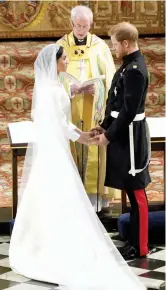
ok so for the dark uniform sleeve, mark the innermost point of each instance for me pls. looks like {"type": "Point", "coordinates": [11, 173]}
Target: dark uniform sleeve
{"type": "Point", "coordinates": [107, 119]}
{"type": "Point", "coordinates": [134, 86]}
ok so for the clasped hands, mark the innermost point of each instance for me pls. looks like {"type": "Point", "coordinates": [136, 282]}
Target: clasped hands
{"type": "Point", "coordinates": [95, 137]}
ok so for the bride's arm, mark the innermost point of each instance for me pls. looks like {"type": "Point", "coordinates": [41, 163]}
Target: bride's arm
{"type": "Point", "coordinates": [49, 115]}
{"type": "Point", "coordinates": [70, 130]}
{"type": "Point", "coordinates": [84, 136]}
{"type": "Point", "coordinates": [81, 137]}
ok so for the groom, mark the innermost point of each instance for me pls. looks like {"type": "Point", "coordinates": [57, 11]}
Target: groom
{"type": "Point", "coordinates": [123, 131]}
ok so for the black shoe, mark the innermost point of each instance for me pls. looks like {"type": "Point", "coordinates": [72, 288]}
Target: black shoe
{"type": "Point", "coordinates": [125, 248]}
{"type": "Point", "coordinates": [131, 254]}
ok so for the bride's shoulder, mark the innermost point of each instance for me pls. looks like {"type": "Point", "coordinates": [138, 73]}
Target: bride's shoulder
{"type": "Point", "coordinates": [54, 87]}
{"type": "Point", "coordinates": [58, 83]}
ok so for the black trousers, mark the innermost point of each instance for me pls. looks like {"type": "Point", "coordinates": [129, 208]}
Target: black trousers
{"type": "Point", "coordinates": [139, 220]}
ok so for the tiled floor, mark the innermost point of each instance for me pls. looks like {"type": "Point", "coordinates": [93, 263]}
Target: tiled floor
{"type": "Point", "coordinates": [150, 270]}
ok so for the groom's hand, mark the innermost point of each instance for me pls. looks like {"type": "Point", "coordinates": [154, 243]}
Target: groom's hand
{"type": "Point", "coordinates": [99, 140]}
{"type": "Point", "coordinates": [97, 131]}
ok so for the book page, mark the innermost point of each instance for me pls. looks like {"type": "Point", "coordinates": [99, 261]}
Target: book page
{"type": "Point", "coordinates": [92, 81]}
{"type": "Point", "coordinates": [85, 83]}
{"type": "Point", "coordinates": [72, 78]}
{"type": "Point", "coordinates": [21, 132]}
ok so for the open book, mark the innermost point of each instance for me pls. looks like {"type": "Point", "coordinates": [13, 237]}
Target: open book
{"type": "Point", "coordinates": [80, 84]}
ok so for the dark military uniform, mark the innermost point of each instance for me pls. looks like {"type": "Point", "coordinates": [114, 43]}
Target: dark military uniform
{"type": "Point", "coordinates": [125, 107]}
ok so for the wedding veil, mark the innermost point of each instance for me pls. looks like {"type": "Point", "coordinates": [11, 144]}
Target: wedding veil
{"type": "Point", "coordinates": [45, 111]}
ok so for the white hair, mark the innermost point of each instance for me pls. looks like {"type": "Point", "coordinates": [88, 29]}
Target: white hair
{"type": "Point", "coordinates": [81, 11]}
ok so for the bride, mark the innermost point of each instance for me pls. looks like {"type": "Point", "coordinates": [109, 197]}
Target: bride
{"type": "Point", "coordinates": [57, 237]}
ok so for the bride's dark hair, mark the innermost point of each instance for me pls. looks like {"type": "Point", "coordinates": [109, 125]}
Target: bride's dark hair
{"type": "Point", "coordinates": [59, 53]}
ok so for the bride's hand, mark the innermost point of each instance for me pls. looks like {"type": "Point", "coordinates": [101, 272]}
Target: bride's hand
{"type": "Point", "coordinates": [84, 138]}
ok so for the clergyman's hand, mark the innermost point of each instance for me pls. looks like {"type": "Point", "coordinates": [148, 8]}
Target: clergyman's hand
{"type": "Point", "coordinates": [90, 90]}
{"type": "Point", "coordinates": [75, 90]}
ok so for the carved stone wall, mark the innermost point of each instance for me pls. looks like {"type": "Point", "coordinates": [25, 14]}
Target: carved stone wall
{"type": "Point", "coordinates": [20, 19]}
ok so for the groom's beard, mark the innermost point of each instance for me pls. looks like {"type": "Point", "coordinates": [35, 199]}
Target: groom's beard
{"type": "Point", "coordinates": [80, 41]}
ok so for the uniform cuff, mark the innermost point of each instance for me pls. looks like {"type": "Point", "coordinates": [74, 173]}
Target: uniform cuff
{"type": "Point", "coordinates": [106, 134]}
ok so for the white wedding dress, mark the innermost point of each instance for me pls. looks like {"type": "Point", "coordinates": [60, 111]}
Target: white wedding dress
{"type": "Point", "coordinates": [57, 236]}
